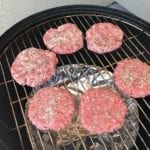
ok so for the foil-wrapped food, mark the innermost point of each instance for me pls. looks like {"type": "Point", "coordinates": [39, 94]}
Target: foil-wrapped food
{"type": "Point", "coordinates": [77, 79]}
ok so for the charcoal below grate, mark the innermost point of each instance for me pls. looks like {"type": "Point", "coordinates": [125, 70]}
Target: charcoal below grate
{"type": "Point", "coordinates": [77, 79]}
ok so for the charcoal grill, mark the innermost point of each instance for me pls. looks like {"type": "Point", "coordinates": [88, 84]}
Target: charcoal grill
{"type": "Point", "coordinates": [29, 32]}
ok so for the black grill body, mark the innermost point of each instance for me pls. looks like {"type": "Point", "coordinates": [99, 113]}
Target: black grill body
{"type": "Point", "coordinates": [29, 32]}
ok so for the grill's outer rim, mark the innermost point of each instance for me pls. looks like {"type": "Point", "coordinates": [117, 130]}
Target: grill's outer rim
{"type": "Point", "coordinates": [34, 19]}
{"type": "Point", "coordinates": [12, 38]}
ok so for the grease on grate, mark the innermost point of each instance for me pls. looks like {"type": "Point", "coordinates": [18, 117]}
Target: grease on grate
{"type": "Point", "coordinates": [77, 79]}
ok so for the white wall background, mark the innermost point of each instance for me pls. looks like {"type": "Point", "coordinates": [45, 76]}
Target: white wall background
{"type": "Point", "coordinates": [12, 11]}
{"type": "Point", "coordinates": [139, 7]}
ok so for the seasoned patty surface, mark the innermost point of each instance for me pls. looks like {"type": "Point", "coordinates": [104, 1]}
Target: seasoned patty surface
{"type": "Point", "coordinates": [132, 77]}
{"type": "Point", "coordinates": [65, 39]}
{"type": "Point", "coordinates": [102, 110]}
{"type": "Point", "coordinates": [104, 37]}
{"type": "Point", "coordinates": [51, 108]}
{"type": "Point", "coordinates": [33, 66]}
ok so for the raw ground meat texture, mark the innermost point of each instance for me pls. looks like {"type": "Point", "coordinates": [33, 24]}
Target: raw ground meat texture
{"type": "Point", "coordinates": [104, 37]}
{"type": "Point", "coordinates": [51, 108]}
{"type": "Point", "coordinates": [102, 110]}
{"type": "Point", "coordinates": [33, 67]}
{"type": "Point", "coordinates": [66, 39]}
{"type": "Point", "coordinates": [132, 77]}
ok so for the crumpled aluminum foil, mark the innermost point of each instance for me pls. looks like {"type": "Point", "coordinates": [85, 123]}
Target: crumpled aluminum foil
{"type": "Point", "coordinates": [77, 79]}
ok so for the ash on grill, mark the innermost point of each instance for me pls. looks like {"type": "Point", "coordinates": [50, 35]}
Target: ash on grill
{"type": "Point", "coordinates": [77, 79]}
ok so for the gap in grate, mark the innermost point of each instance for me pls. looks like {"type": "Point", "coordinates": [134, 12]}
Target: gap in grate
{"type": "Point", "coordinates": [13, 49]}
{"type": "Point", "coordinates": [16, 140]}
{"type": "Point", "coordinates": [25, 40]}
{"type": "Point", "coordinates": [32, 39]}
{"type": "Point", "coordinates": [145, 103]}
{"type": "Point", "coordinates": [143, 58]}
{"type": "Point", "coordinates": [130, 48]}
{"type": "Point", "coordinates": [24, 135]}
{"type": "Point", "coordinates": [1, 75]}
{"type": "Point", "coordinates": [129, 52]}
{"type": "Point", "coordinates": [144, 40]}
{"type": "Point", "coordinates": [145, 144]}
{"type": "Point", "coordinates": [18, 113]}
{"type": "Point", "coordinates": [16, 91]}
{"type": "Point", "coordinates": [6, 70]}
{"type": "Point", "coordinates": [39, 39]}
{"type": "Point", "coordinates": [5, 109]}
{"type": "Point", "coordinates": [23, 103]}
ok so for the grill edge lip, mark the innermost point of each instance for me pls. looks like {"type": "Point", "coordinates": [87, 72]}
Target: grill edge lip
{"type": "Point", "coordinates": [65, 10]}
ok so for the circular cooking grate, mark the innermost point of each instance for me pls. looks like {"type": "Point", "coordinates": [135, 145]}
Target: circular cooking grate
{"type": "Point", "coordinates": [136, 44]}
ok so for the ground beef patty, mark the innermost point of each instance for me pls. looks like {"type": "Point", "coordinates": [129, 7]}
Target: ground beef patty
{"type": "Point", "coordinates": [132, 77]}
{"type": "Point", "coordinates": [102, 110]}
{"type": "Point", "coordinates": [33, 66]}
{"type": "Point", "coordinates": [51, 108]}
{"type": "Point", "coordinates": [104, 37]}
{"type": "Point", "coordinates": [66, 39]}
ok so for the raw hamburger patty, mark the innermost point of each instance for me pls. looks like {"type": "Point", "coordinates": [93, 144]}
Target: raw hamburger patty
{"type": "Point", "coordinates": [51, 108]}
{"type": "Point", "coordinates": [132, 77]}
{"type": "Point", "coordinates": [66, 39]}
{"type": "Point", "coordinates": [33, 66]}
{"type": "Point", "coordinates": [104, 37]}
{"type": "Point", "coordinates": [102, 110]}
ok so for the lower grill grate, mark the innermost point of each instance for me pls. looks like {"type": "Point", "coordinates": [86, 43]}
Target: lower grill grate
{"type": "Point", "coordinates": [136, 44]}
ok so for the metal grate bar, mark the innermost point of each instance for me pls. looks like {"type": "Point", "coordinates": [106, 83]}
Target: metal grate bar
{"type": "Point", "coordinates": [72, 142]}
{"type": "Point", "coordinates": [41, 48]}
{"type": "Point", "coordinates": [102, 142]}
{"type": "Point", "coordinates": [132, 44]}
{"type": "Point", "coordinates": [20, 126]}
{"type": "Point", "coordinates": [76, 128]}
{"type": "Point", "coordinates": [97, 17]}
{"type": "Point", "coordinates": [85, 49]}
{"type": "Point", "coordinates": [62, 62]}
{"type": "Point", "coordinates": [148, 119]}
{"type": "Point", "coordinates": [30, 95]}
{"type": "Point", "coordinates": [94, 64]}
{"type": "Point", "coordinates": [80, 55]}
{"type": "Point", "coordinates": [92, 141]}
{"type": "Point", "coordinates": [113, 69]}
{"type": "Point", "coordinates": [13, 111]}
{"type": "Point", "coordinates": [8, 81]}
{"type": "Point", "coordinates": [100, 21]}
{"type": "Point", "coordinates": [18, 94]}
{"type": "Point", "coordinates": [49, 134]}
{"type": "Point", "coordinates": [85, 63]}
{"type": "Point", "coordinates": [81, 139]}
{"type": "Point", "coordinates": [131, 137]}
{"type": "Point", "coordinates": [136, 40]}
{"type": "Point", "coordinates": [133, 54]}
{"type": "Point", "coordinates": [110, 64]}
{"type": "Point", "coordinates": [61, 140]}
{"type": "Point", "coordinates": [122, 140]}
{"type": "Point", "coordinates": [21, 99]}
{"type": "Point", "coordinates": [110, 61]}
{"type": "Point", "coordinates": [41, 141]}
{"type": "Point", "coordinates": [136, 57]}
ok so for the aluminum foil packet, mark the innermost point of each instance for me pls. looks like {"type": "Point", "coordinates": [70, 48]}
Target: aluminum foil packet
{"type": "Point", "coordinates": [77, 79]}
